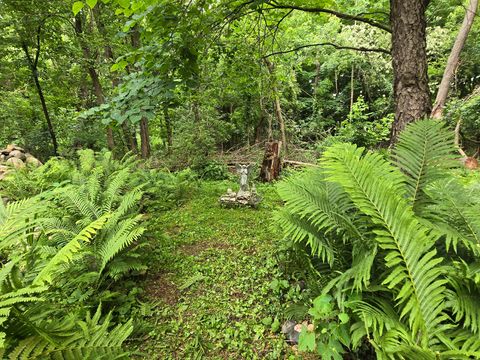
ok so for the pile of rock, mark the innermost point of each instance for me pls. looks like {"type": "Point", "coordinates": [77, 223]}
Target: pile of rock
{"type": "Point", "coordinates": [15, 157]}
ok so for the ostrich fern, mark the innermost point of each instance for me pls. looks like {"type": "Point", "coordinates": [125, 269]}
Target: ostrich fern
{"type": "Point", "coordinates": [402, 237]}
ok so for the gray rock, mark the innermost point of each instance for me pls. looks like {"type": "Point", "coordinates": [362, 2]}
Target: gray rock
{"type": "Point", "coordinates": [288, 329]}
{"type": "Point", "coordinates": [18, 154]}
{"type": "Point", "coordinates": [32, 160]}
{"type": "Point", "coordinates": [11, 147]}
{"type": "Point", "coordinates": [16, 163]}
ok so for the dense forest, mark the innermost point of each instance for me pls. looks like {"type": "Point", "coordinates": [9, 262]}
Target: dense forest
{"type": "Point", "coordinates": [239, 179]}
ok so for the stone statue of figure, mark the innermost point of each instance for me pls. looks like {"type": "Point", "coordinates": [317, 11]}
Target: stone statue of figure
{"type": "Point", "coordinates": [243, 171]}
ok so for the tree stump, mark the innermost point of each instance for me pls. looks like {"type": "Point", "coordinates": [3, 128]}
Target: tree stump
{"type": "Point", "coordinates": [271, 164]}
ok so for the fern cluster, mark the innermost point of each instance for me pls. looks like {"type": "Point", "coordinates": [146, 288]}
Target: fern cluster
{"type": "Point", "coordinates": [401, 238]}
{"type": "Point", "coordinates": [71, 242]}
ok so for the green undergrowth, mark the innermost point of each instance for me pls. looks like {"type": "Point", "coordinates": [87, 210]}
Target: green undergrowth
{"type": "Point", "coordinates": [211, 280]}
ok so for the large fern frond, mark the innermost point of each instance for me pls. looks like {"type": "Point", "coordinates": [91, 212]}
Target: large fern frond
{"type": "Point", "coordinates": [424, 152]}
{"type": "Point", "coordinates": [19, 218]}
{"type": "Point", "coordinates": [313, 209]}
{"type": "Point", "coordinates": [117, 182]}
{"type": "Point", "coordinates": [454, 213]}
{"type": "Point", "coordinates": [92, 340]}
{"type": "Point", "coordinates": [125, 234]}
{"type": "Point", "coordinates": [66, 253]}
{"type": "Point", "coordinates": [415, 271]}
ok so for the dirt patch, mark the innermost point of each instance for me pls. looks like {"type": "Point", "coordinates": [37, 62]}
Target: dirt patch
{"type": "Point", "coordinates": [201, 246]}
{"type": "Point", "coordinates": [159, 286]}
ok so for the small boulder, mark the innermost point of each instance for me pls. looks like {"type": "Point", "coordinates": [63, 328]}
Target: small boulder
{"type": "Point", "coordinates": [18, 154]}
{"type": "Point", "coordinates": [291, 330]}
{"type": "Point", "coordinates": [32, 160]}
{"type": "Point", "coordinates": [11, 147]}
{"type": "Point", "coordinates": [16, 163]}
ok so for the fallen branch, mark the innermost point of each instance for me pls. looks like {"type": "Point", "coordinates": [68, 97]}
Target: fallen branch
{"type": "Point", "coordinates": [298, 163]}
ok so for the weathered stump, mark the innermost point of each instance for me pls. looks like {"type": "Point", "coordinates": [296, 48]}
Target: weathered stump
{"type": "Point", "coordinates": [271, 164]}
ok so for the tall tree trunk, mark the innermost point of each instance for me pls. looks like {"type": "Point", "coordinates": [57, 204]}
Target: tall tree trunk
{"type": "Point", "coordinates": [145, 138]}
{"type": "Point", "coordinates": [97, 86]}
{"type": "Point", "coordinates": [51, 131]}
{"type": "Point", "coordinates": [410, 87]}
{"type": "Point", "coordinates": [33, 67]}
{"type": "Point", "coordinates": [352, 92]}
{"type": "Point", "coordinates": [454, 59]}
{"type": "Point", "coordinates": [277, 105]}
{"type": "Point", "coordinates": [144, 132]}
{"type": "Point", "coordinates": [128, 132]}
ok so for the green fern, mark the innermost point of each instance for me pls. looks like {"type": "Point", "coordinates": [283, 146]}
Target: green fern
{"type": "Point", "coordinates": [91, 340]}
{"type": "Point", "coordinates": [65, 254]}
{"type": "Point", "coordinates": [418, 300]}
{"type": "Point", "coordinates": [124, 235]}
{"type": "Point", "coordinates": [415, 272]}
{"type": "Point", "coordinates": [313, 209]}
{"type": "Point", "coordinates": [424, 152]}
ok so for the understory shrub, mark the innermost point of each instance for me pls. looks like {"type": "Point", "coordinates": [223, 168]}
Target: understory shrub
{"type": "Point", "coordinates": [166, 190]}
{"type": "Point", "coordinates": [214, 170]}
{"type": "Point", "coordinates": [395, 243]}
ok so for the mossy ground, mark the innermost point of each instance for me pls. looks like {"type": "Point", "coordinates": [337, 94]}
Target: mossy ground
{"type": "Point", "coordinates": [210, 280]}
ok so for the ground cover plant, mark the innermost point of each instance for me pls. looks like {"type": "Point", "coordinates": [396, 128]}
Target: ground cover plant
{"type": "Point", "coordinates": [212, 281]}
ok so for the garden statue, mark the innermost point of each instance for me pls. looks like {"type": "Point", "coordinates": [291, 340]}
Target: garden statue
{"type": "Point", "coordinates": [243, 171]}
{"type": "Point", "coordinates": [244, 196]}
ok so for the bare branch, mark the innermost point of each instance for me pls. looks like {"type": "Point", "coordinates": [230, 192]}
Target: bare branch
{"type": "Point", "coordinates": [276, 5]}
{"type": "Point", "coordinates": [336, 46]}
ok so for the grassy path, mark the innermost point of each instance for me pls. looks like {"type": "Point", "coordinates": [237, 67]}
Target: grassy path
{"type": "Point", "coordinates": [211, 281]}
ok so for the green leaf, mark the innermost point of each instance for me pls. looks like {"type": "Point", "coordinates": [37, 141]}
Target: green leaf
{"type": "Point", "coordinates": [275, 325]}
{"type": "Point", "coordinates": [122, 64]}
{"type": "Point", "coordinates": [91, 3]}
{"type": "Point", "coordinates": [77, 6]}
{"type": "Point", "coordinates": [124, 3]}
{"type": "Point", "coordinates": [267, 321]}
{"type": "Point", "coordinates": [192, 280]}
{"type": "Point", "coordinates": [343, 318]}
{"type": "Point", "coordinates": [306, 341]}
{"type": "Point", "coordinates": [321, 306]}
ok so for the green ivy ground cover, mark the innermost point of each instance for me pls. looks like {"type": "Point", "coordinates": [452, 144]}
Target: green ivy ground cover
{"type": "Point", "coordinates": [211, 281]}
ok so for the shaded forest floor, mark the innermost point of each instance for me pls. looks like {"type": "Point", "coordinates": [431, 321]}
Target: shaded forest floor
{"type": "Point", "coordinates": [210, 281]}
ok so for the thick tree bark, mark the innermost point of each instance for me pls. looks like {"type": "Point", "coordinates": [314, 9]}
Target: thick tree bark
{"type": "Point", "coordinates": [411, 91]}
{"type": "Point", "coordinates": [33, 67]}
{"type": "Point", "coordinates": [145, 138]}
{"type": "Point", "coordinates": [454, 59]}
{"type": "Point", "coordinates": [271, 165]}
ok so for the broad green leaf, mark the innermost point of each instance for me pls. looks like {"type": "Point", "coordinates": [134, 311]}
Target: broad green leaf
{"type": "Point", "coordinates": [306, 341]}
{"type": "Point", "coordinates": [91, 3]}
{"type": "Point", "coordinates": [77, 6]}
{"type": "Point", "coordinates": [124, 3]}
{"type": "Point", "coordinates": [343, 318]}
{"type": "Point", "coordinates": [122, 64]}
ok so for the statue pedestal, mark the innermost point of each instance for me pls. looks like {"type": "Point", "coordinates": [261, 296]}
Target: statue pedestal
{"type": "Point", "coordinates": [242, 198]}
